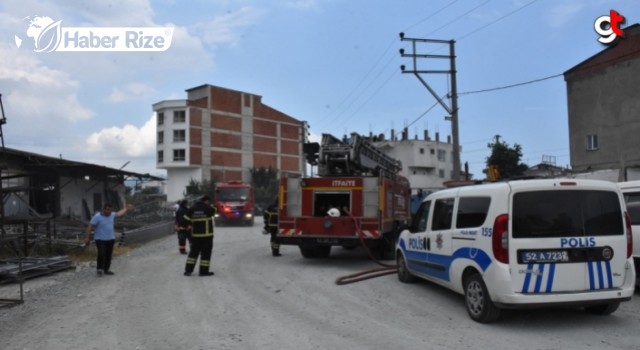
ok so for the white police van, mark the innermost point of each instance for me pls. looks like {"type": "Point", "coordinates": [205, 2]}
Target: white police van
{"type": "Point", "coordinates": [523, 243]}
{"type": "Point", "coordinates": [631, 192]}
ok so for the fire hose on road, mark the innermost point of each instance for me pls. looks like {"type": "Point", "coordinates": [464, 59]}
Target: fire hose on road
{"type": "Point", "coordinates": [386, 269]}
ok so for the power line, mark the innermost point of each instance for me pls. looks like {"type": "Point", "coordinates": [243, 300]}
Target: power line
{"type": "Point", "coordinates": [510, 86]}
{"type": "Point", "coordinates": [496, 20]}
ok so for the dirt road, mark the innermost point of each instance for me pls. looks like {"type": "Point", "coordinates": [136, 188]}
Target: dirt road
{"type": "Point", "coordinates": [255, 301]}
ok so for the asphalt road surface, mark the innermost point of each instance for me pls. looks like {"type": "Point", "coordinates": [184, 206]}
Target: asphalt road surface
{"type": "Point", "coordinates": [256, 301]}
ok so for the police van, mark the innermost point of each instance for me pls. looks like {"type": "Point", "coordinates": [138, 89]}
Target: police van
{"type": "Point", "coordinates": [523, 243]}
{"type": "Point", "coordinates": [631, 192]}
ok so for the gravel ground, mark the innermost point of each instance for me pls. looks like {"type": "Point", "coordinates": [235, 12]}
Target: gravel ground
{"type": "Point", "coordinates": [256, 301]}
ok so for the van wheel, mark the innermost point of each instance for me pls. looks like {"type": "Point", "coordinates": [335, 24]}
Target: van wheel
{"type": "Point", "coordinates": [479, 305]}
{"type": "Point", "coordinates": [604, 309]}
{"type": "Point", "coordinates": [403, 271]}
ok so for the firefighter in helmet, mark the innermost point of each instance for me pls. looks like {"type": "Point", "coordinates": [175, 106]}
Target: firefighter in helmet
{"type": "Point", "coordinates": [200, 217]}
{"type": "Point", "coordinates": [270, 216]}
{"type": "Point", "coordinates": [183, 227]}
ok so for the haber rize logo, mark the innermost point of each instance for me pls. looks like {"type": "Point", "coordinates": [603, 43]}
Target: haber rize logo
{"type": "Point", "coordinates": [49, 35]}
{"type": "Point", "coordinates": [45, 33]}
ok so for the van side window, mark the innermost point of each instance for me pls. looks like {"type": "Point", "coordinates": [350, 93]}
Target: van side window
{"type": "Point", "coordinates": [422, 215]}
{"type": "Point", "coordinates": [442, 214]}
{"type": "Point", "coordinates": [472, 211]}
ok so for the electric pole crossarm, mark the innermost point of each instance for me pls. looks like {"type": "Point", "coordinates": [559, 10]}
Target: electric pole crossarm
{"type": "Point", "coordinates": [422, 40]}
{"type": "Point", "coordinates": [419, 55]}
{"type": "Point", "coordinates": [427, 71]}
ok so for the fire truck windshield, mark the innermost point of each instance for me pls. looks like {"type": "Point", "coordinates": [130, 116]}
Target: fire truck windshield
{"type": "Point", "coordinates": [232, 194]}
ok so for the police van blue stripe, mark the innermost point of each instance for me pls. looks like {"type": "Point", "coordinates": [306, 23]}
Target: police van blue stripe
{"type": "Point", "coordinates": [438, 265]}
{"type": "Point", "coordinates": [539, 276]}
{"type": "Point", "coordinates": [591, 281]}
{"type": "Point", "coordinates": [527, 278]}
{"type": "Point", "coordinates": [600, 276]}
{"type": "Point", "coordinates": [552, 272]}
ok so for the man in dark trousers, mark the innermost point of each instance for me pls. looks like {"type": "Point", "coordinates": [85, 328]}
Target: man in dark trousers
{"type": "Point", "coordinates": [101, 225]}
{"type": "Point", "coordinates": [182, 227]}
{"type": "Point", "coordinates": [200, 217]}
{"type": "Point", "coordinates": [270, 216]}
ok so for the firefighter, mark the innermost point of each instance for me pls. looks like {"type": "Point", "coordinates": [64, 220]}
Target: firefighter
{"type": "Point", "coordinates": [182, 227]}
{"type": "Point", "coordinates": [270, 216]}
{"type": "Point", "coordinates": [200, 217]}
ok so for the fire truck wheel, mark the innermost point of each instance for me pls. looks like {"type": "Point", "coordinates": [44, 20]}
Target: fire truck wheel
{"type": "Point", "coordinates": [322, 251]}
{"type": "Point", "coordinates": [307, 252]}
{"type": "Point", "coordinates": [315, 252]}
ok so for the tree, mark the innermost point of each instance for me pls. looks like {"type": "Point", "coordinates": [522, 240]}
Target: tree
{"type": "Point", "coordinates": [265, 183]}
{"type": "Point", "coordinates": [196, 188]}
{"type": "Point", "coordinates": [505, 159]}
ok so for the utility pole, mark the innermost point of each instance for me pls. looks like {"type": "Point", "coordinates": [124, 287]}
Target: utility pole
{"type": "Point", "coordinates": [453, 110]}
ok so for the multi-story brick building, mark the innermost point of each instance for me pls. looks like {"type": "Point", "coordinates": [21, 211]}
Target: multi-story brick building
{"type": "Point", "coordinates": [218, 134]}
{"type": "Point", "coordinates": [603, 103]}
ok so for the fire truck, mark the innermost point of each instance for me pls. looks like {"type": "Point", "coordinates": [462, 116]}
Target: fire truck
{"type": "Point", "coordinates": [358, 198]}
{"type": "Point", "coordinates": [234, 203]}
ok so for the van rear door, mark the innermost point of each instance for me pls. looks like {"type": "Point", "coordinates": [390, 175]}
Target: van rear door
{"type": "Point", "coordinates": [567, 239]}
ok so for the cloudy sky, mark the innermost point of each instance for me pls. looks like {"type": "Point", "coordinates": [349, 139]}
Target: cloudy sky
{"type": "Point", "coordinates": [332, 63]}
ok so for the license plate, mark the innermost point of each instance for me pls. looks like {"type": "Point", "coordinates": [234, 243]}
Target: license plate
{"type": "Point", "coordinates": [543, 256]}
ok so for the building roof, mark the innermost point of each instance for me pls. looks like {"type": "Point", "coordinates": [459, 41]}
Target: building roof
{"type": "Point", "coordinates": [625, 49]}
{"type": "Point", "coordinates": [34, 161]}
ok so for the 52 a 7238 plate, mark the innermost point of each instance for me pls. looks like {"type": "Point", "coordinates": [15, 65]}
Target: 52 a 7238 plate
{"type": "Point", "coordinates": [543, 256]}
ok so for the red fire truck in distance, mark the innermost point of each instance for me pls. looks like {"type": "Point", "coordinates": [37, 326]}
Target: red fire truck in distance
{"type": "Point", "coordinates": [234, 203]}
{"type": "Point", "coordinates": [358, 197]}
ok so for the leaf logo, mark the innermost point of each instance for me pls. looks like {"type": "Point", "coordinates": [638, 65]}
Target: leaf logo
{"type": "Point", "coordinates": [49, 38]}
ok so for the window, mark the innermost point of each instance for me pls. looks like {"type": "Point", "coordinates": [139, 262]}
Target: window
{"type": "Point", "coordinates": [160, 156]}
{"type": "Point", "coordinates": [160, 137]}
{"type": "Point", "coordinates": [421, 218]}
{"type": "Point", "coordinates": [441, 173]}
{"type": "Point", "coordinates": [592, 142]}
{"type": "Point", "coordinates": [323, 201]}
{"type": "Point", "coordinates": [421, 150]}
{"type": "Point", "coordinates": [160, 118]}
{"type": "Point", "coordinates": [178, 135]}
{"type": "Point", "coordinates": [575, 213]}
{"type": "Point", "coordinates": [442, 214]}
{"type": "Point", "coordinates": [633, 208]}
{"type": "Point", "coordinates": [179, 116]}
{"type": "Point", "coordinates": [178, 155]}
{"type": "Point", "coordinates": [442, 155]}
{"type": "Point", "coordinates": [472, 211]}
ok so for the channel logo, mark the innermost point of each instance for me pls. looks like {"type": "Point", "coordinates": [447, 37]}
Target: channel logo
{"type": "Point", "coordinates": [48, 35]}
{"type": "Point", "coordinates": [608, 27]}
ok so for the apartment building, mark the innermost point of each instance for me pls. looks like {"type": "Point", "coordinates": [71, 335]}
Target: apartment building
{"type": "Point", "coordinates": [219, 134]}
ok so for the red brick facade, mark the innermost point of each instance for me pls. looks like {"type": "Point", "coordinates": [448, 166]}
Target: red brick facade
{"type": "Point", "coordinates": [241, 133]}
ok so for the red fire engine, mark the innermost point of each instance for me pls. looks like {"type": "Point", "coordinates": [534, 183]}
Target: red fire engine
{"type": "Point", "coordinates": [234, 203]}
{"type": "Point", "coordinates": [358, 197]}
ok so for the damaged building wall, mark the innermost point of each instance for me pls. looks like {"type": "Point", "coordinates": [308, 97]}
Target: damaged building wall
{"type": "Point", "coordinates": [81, 198]}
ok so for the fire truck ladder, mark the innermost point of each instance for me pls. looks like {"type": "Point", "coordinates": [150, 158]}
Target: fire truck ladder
{"type": "Point", "coordinates": [358, 156]}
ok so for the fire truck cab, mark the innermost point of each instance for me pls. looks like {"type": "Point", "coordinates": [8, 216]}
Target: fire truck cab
{"type": "Point", "coordinates": [357, 198]}
{"type": "Point", "coordinates": [233, 201]}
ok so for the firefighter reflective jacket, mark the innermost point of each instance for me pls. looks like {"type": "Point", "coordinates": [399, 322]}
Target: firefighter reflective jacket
{"type": "Point", "coordinates": [200, 215]}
